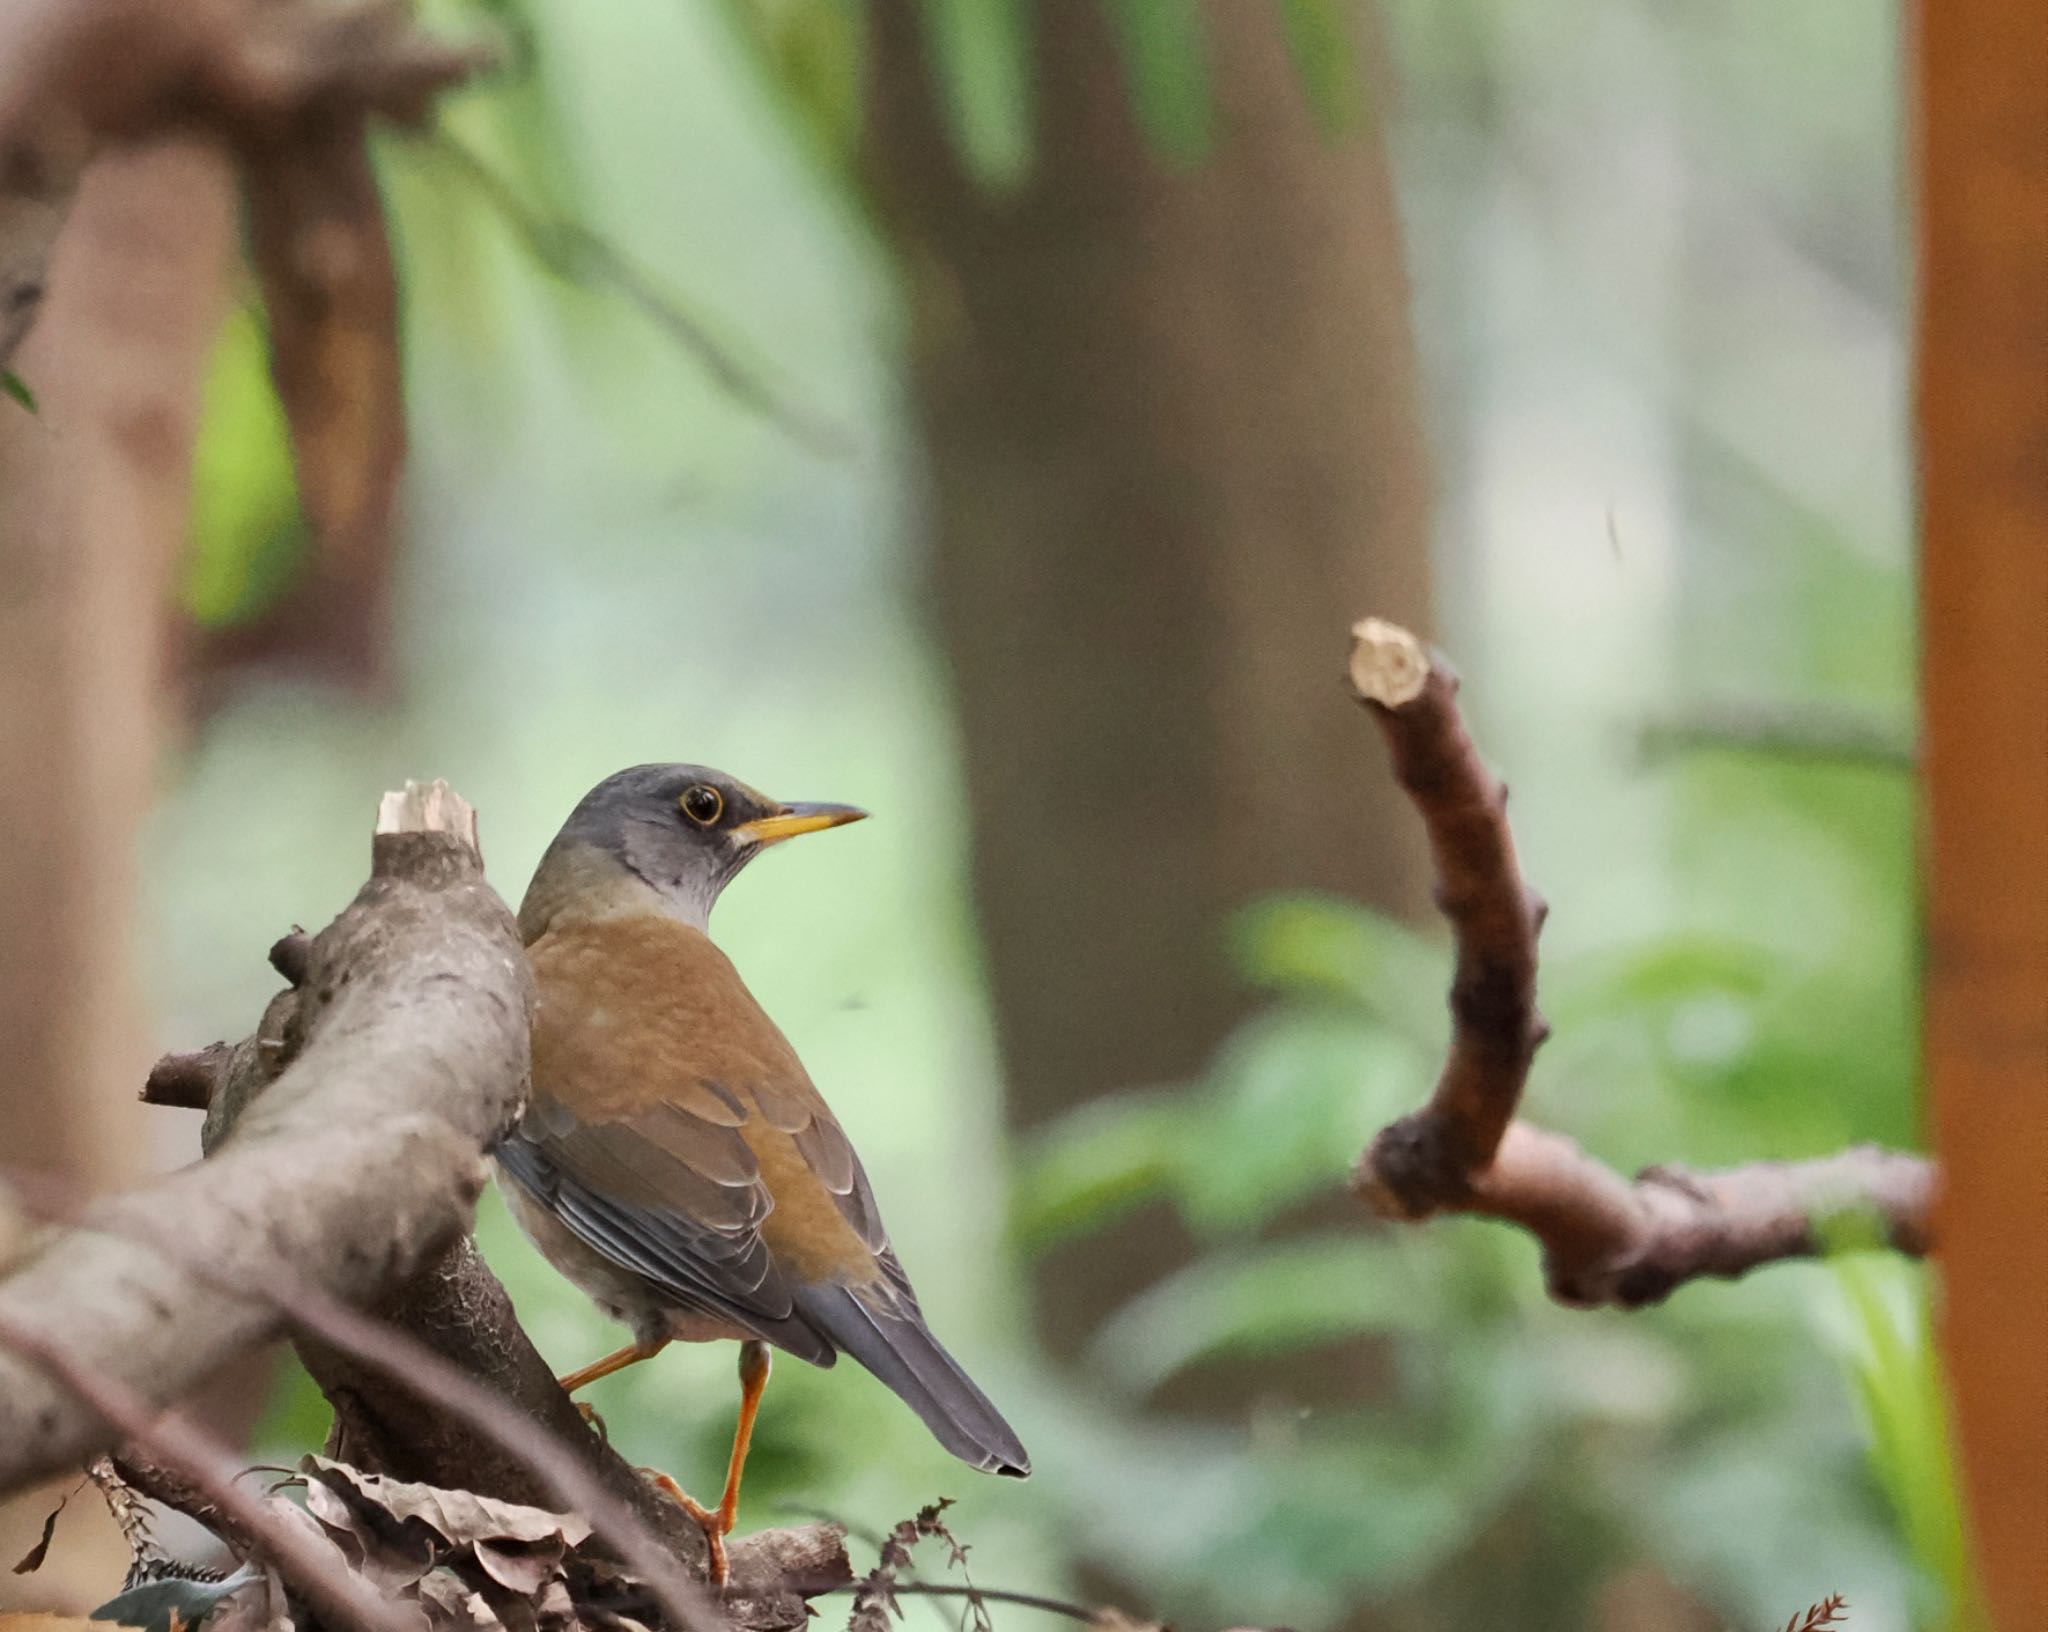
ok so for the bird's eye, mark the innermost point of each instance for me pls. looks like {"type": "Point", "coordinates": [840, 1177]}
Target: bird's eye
{"type": "Point", "coordinates": [703, 804]}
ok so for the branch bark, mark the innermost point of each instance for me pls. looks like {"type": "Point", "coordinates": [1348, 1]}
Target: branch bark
{"type": "Point", "coordinates": [1606, 1239]}
{"type": "Point", "coordinates": [402, 1059]}
{"type": "Point", "coordinates": [394, 1059]}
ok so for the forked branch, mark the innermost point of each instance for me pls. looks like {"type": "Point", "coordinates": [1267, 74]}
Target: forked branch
{"type": "Point", "coordinates": [1605, 1239]}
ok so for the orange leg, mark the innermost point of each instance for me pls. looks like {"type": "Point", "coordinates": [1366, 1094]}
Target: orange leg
{"type": "Point", "coordinates": [717, 1523]}
{"type": "Point", "coordinates": [617, 1360]}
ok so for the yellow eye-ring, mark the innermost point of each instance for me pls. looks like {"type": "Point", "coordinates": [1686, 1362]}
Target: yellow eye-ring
{"type": "Point", "coordinates": [702, 803]}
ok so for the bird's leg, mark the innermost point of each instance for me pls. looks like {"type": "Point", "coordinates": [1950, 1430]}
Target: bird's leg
{"type": "Point", "coordinates": [617, 1360]}
{"type": "Point", "coordinates": [717, 1523]}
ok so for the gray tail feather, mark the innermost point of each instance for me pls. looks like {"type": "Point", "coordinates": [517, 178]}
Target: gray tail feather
{"type": "Point", "coordinates": [900, 1349]}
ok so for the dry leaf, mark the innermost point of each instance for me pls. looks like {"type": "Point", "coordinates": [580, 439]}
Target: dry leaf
{"type": "Point", "coordinates": [452, 1605]}
{"type": "Point", "coordinates": [32, 1560]}
{"type": "Point", "coordinates": [457, 1516]}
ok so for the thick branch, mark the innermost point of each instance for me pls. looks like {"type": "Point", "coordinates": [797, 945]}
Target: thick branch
{"type": "Point", "coordinates": [396, 1064]}
{"type": "Point", "coordinates": [437, 1382]}
{"type": "Point", "coordinates": [1606, 1240]}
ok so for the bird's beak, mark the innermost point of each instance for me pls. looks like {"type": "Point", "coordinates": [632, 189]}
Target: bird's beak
{"type": "Point", "coordinates": [791, 820]}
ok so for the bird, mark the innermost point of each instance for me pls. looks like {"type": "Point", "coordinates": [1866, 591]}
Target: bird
{"type": "Point", "coordinates": [674, 1159]}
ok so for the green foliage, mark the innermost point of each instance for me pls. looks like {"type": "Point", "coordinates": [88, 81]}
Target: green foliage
{"type": "Point", "coordinates": [1480, 1400]}
{"type": "Point", "coordinates": [1165, 51]}
{"type": "Point", "coordinates": [979, 54]}
{"type": "Point", "coordinates": [247, 533]}
{"type": "Point", "coordinates": [1260, 1298]}
{"type": "Point", "coordinates": [812, 52]}
{"type": "Point", "coordinates": [14, 386]}
{"type": "Point", "coordinates": [1326, 56]}
{"type": "Point", "coordinates": [1888, 1349]}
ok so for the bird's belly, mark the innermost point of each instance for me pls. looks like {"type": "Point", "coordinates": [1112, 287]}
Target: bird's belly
{"type": "Point", "coordinates": [628, 1298]}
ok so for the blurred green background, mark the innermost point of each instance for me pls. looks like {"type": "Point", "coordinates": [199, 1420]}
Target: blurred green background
{"type": "Point", "coordinates": [1658, 297]}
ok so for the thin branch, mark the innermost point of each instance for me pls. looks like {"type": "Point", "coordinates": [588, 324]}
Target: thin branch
{"type": "Point", "coordinates": [210, 1468]}
{"type": "Point", "coordinates": [1495, 1026]}
{"type": "Point", "coordinates": [993, 1595]}
{"type": "Point", "coordinates": [164, 1483]}
{"type": "Point", "coordinates": [1802, 736]}
{"type": "Point", "coordinates": [575, 253]}
{"type": "Point", "coordinates": [1606, 1239]}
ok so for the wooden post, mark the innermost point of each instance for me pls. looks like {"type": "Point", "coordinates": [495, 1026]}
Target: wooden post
{"type": "Point", "coordinates": [1982, 78]}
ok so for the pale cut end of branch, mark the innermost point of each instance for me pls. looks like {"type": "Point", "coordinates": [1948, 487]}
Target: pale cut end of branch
{"type": "Point", "coordinates": [1389, 666]}
{"type": "Point", "coordinates": [428, 807]}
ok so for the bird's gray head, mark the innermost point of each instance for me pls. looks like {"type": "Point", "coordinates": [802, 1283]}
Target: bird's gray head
{"type": "Point", "coordinates": [683, 831]}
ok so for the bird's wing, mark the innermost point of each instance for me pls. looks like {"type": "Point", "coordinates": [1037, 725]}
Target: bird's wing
{"type": "Point", "coordinates": [674, 1200]}
{"type": "Point", "coordinates": [645, 1136]}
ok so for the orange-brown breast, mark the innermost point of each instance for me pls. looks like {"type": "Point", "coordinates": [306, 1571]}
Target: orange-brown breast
{"type": "Point", "coordinates": [646, 1035]}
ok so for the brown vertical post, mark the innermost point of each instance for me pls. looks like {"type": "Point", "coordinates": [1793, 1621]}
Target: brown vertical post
{"type": "Point", "coordinates": [1983, 427]}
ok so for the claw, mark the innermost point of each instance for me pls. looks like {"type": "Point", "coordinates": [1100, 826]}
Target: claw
{"type": "Point", "coordinates": [713, 1523]}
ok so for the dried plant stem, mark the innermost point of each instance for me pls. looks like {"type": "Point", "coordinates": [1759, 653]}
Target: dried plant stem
{"type": "Point", "coordinates": [1606, 1239]}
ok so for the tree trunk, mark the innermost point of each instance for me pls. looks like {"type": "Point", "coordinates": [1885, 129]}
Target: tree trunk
{"type": "Point", "coordinates": [93, 501]}
{"type": "Point", "coordinates": [1983, 412]}
{"type": "Point", "coordinates": [1170, 414]}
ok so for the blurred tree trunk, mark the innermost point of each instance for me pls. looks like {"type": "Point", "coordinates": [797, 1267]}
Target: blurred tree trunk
{"type": "Point", "coordinates": [1170, 412]}
{"type": "Point", "coordinates": [1983, 412]}
{"type": "Point", "coordinates": [93, 503]}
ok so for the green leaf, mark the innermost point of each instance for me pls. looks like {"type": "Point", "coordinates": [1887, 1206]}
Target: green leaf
{"type": "Point", "coordinates": [980, 54]}
{"type": "Point", "coordinates": [1313, 945]}
{"type": "Point", "coordinates": [247, 532]}
{"type": "Point", "coordinates": [1166, 61]}
{"type": "Point", "coordinates": [16, 387]}
{"type": "Point", "coordinates": [813, 56]}
{"type": "Point", "coordinates": [1326, 57]}
{"type": "Point", "coordinates": [1267, 1300]}
{"type": "Point", "coordinates": [1672, 969]}
{"type": "Point", "coordinates": [1097, 1164]}
{"type": "Point", "coordinates": [1291, 1100]}
{"type": "Point", "coordinates": [1888, 1348]}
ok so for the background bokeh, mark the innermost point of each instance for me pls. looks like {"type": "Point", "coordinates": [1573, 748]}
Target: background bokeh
{"type": "Point", "coordinates": [1658, 296]}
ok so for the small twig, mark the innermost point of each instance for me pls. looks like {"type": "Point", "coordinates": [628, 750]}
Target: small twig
{"type": "Point", "coordinates": [578, 255]}
{"type": "Point", "coordinates": [993, 1595]}
{"type": "Point", "coordinates": [210, 1466]}
{"type": "Point", "coordinates": [291, 956]}
{"type": "Point", "coordinates": [163, 1483]}
{"type": "Point", "coordinates": [186, 1081]}
{"type": "Point", "coordinates": [1606, 1240]}
{"type": "Point", "coordinates": [1828, 1612]}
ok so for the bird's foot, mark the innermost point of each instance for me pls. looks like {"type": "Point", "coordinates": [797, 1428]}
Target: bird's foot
{"type": "Point", "coordinates": [714, 1522]}
{"type": "Point", "coordinates": [588, 1413]}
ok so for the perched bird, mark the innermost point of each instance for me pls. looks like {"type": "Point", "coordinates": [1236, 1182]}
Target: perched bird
{"type": "Point", "coordinates": [675, 1161]}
